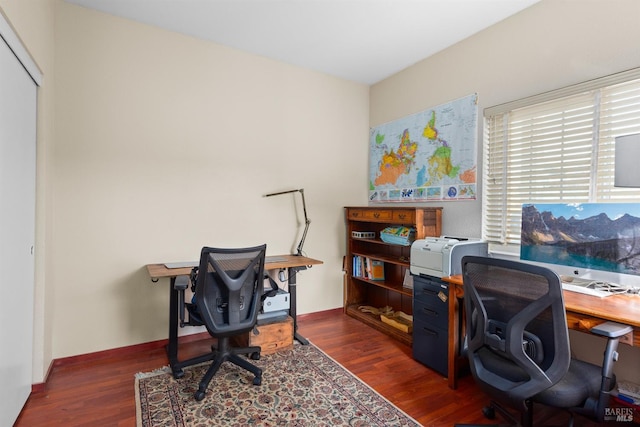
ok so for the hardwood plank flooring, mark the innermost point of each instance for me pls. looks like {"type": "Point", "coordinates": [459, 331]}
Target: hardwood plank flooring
{"type": "Point", "coordinates": [98, 390]}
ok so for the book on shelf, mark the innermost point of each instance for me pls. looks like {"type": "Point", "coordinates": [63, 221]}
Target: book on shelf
{"type": "Point", "coordinates": [358, 266]}
{"type": "Point", "coordinates": [376, 269]}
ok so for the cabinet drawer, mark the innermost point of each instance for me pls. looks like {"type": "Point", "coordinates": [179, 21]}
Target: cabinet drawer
{"type": "Point", "coordinates": [434, 292]}
{"type": "Point", "coordinates": [404, 216]}
{"type": "Point", "coordinates": [436, 315]}
{"type": "Point", "coordinates": [371, 214]}
{"type": "Point", "coordinates": [430, 346]}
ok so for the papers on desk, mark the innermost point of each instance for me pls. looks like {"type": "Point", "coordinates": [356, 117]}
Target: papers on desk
{"type": "Point", "coordinates": [185, 264]}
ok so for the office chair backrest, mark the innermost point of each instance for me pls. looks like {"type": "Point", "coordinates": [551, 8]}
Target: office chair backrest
{"type": "Point", "coordinates": [228, 289]}
{"type": "Point", "coordinates": [518, 342]}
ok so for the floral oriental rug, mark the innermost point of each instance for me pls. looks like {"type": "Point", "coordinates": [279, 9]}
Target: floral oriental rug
{"type": "Point", "coordinates": [300, 387]}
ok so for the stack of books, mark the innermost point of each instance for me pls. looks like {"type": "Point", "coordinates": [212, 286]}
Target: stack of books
{"type": "Point", "coordinates": [365, 267]}
{"type": "Point", "coordinates": [626, 405]}
{"type": "Point", "coordinates": [629, 392]}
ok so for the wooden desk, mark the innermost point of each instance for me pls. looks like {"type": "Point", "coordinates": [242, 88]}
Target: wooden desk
{"type": "Point", "coordinates": [583, 313]}
{"type": "Point", "coordinates": [293, 264]}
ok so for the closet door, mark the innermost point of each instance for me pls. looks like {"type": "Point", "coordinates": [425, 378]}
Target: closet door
{"type": "Point", "coordinates": [18, 103]}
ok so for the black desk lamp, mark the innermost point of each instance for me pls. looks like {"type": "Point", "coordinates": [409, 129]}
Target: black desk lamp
{"type": "Point", "coordinates": [307, 221]}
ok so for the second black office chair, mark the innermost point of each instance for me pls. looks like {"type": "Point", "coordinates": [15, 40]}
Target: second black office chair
{"type": "Point", "coordinates": [229, 285]}
{"type": "Point", "coordinates": [518, 342]}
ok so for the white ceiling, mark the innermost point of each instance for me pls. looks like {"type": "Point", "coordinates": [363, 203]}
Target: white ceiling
{"type": "Point", "coordinates": [359, 40]}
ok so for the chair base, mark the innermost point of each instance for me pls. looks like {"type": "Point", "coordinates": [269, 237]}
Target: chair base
{"type": "Point", "coordinates": [489, 412]}
{"type": "Point", "coordinates": [220, 354]}
{"type": "Point", "coordinates": [557, 416]}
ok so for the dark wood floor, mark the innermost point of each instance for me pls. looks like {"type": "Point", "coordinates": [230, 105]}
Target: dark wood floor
{"type": "Point", "coordinates": [98, 390]}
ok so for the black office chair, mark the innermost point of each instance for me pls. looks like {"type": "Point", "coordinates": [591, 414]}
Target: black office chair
{"type": "Point", "coordinates": [229, 285]}
{"type": "Point", "coordinates": [518, 342]}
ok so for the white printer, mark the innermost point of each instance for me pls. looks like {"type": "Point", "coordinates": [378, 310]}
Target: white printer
{"type": "Point", "coordinates": [442, 256]}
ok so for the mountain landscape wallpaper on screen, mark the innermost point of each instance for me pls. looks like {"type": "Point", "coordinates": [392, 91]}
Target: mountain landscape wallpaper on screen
{"type": "Point", "coordinates": [601, 236]}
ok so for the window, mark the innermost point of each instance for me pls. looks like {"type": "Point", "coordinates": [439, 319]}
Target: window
{"type": "Point", "coordinates": [557, 147]}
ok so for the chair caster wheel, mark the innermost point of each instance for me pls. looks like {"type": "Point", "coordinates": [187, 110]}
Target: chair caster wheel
{"type": "Point", "coordinates": [257, 381]}
{"type": "Point", "coordinates": [255, 356]}
{"type": "Point", "coordinates": [199, 395]}
{"type": "Point", "coordinates": [178, 373]}
{"type": "Point", "coordinates": [489, 412]}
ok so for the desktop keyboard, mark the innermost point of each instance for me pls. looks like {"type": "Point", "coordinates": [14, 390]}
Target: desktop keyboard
{"type": "Point", "coordinates": [585, 290]}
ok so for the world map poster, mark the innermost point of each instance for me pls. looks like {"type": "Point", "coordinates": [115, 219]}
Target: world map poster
{"type": "Point", "coordinates": [430, 155]}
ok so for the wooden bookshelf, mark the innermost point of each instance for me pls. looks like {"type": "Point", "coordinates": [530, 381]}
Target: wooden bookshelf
{"type": "Point", "coordinates": [360, 291]}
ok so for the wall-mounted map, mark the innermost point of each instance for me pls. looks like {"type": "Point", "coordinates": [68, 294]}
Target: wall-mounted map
{"type": "Point", "coordinates": [430, 155]}
{"type": "Point", "coordinates": [601, 236]}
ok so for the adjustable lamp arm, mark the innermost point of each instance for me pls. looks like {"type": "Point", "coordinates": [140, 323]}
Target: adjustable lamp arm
{"type": "Point", "coordinates": [307, 221]}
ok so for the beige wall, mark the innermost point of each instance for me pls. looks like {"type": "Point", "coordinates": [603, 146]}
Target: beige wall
{"type": "Point", "coordinates": [166, 143]}
{"type": "Point", "coordinates": [33, 22]}
{"type": "Point", "coordinates": [553, 44]}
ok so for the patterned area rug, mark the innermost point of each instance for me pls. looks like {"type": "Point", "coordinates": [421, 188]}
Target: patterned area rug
{"type": "Point", "coordinates": [300, 387]}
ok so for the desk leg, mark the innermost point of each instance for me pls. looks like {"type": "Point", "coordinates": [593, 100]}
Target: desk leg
{"type": "Point", "coordinates": [292, 271]}
{"type": "Point", "coordinates": [172, 347]}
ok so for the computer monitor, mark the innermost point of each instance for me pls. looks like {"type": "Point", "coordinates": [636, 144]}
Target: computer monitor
{"type": "Point", "coordinates": [595, 236]}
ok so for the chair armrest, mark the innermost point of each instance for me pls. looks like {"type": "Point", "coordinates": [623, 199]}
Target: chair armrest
{"type": "Point", "coordinates": [181, 283]}
{"type": "Point", "coordinates": [611, 329]}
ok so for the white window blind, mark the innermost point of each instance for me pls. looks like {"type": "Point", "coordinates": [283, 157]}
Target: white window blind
{"type": "Point", "coordinates": [557, 147]}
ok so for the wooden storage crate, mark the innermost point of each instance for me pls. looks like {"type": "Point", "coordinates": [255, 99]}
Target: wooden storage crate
{"type": "Point", "coordinates": [399, 320]}
{"type": "Point", "coordinates": [271, 337]}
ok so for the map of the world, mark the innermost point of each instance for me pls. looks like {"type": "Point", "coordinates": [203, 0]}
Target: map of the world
{"type": "Point", "coordinates": [430, 155]}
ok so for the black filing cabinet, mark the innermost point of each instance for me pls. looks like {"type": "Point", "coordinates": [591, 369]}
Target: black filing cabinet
{"type": "Point", "coordinates": [431, 322]}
